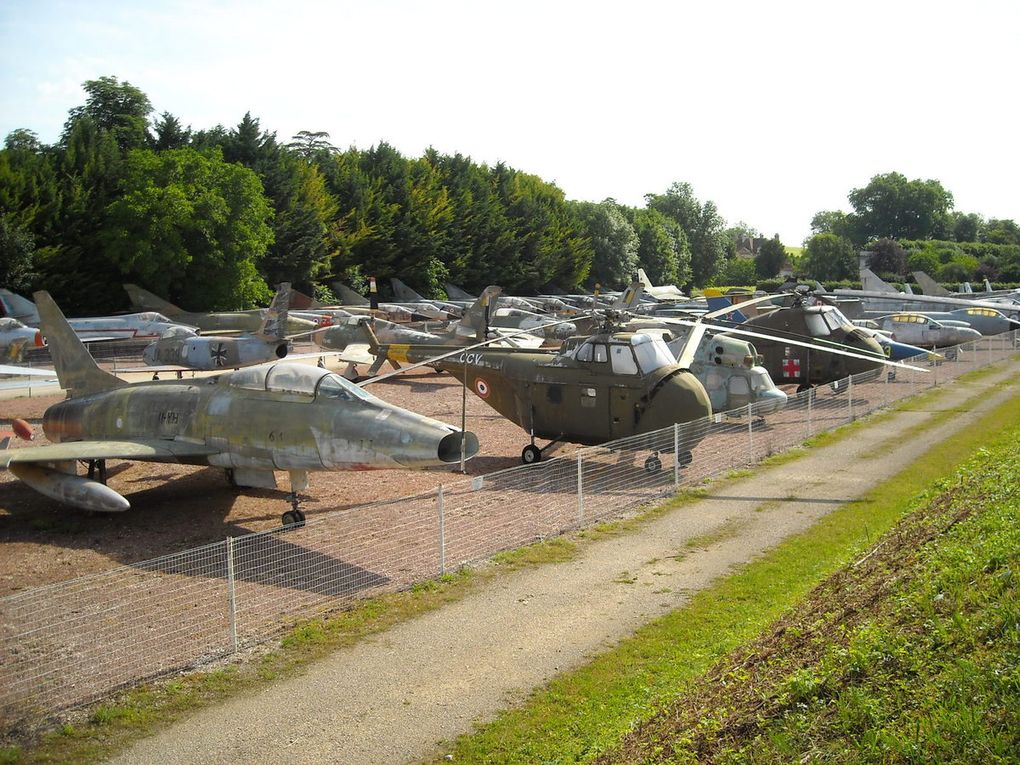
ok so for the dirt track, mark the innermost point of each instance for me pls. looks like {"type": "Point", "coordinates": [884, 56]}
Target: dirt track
{"type": "Point", "coordinates": [392, 699]}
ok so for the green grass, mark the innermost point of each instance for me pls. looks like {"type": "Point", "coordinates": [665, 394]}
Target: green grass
{"type": "Point", "coordinates": [585, 712]}
{"type": "Point", "coordinates": [912, 654]}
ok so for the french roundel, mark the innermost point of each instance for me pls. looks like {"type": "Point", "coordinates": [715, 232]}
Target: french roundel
{"type": "Point", "coordinates": [482, 387]}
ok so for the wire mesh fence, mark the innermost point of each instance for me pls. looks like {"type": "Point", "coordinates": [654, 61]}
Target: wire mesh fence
{"type": "Point", "coordinates": [71, 643]}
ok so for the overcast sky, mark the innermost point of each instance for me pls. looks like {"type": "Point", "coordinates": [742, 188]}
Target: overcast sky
{"type": "Point", "coordinates": [773, 110]}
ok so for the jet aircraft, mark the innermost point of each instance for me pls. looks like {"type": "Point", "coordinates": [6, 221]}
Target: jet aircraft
{"type": "Point", "coordinates": [182, 347]}
{"type": "Point", "coordinates": [279, 416]}
{"type": "Point", "coordinates": [218, 322]}
{"type": "Point", "coordinates": [15, 337]}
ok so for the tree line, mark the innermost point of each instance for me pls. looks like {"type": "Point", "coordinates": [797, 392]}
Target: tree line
{"type": "Point", "coordinates": [210, 218]}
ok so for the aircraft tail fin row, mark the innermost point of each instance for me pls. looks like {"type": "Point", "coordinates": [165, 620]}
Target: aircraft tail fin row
{"type": "Point", "coordinates": [76, 370]}
{"type": "Point", "coordinates": [929, 286]}
{"type": "Point", "coordinates": [18, 308]}
{"type": "Point", "coordinates": [475, 316]}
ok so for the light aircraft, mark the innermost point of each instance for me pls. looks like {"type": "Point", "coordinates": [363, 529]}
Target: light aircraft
{"type": "Point", "coordinates": [182, 347]}
{"type": "Point", "coordinates": [279, 416]}
{"type": "Point", "coordinates": [214, 322]}
{"type": "Point", "coordinates": [15, 337]}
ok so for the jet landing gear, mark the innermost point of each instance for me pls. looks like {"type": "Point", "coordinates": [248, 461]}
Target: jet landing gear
{"type": "Point", "coordinates": [97, 466]}
{"type": "Point", "coordinates": [295, 516]}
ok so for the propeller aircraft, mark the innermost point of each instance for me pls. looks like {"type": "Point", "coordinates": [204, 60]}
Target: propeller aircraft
{"type": "Point", "coordinates": [279, 416]}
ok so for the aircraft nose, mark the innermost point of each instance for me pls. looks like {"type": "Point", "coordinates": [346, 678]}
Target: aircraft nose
{"type": "Point", "coordinates": [450, 446]}
{"type": "Point", "coordinates": [40, 341]}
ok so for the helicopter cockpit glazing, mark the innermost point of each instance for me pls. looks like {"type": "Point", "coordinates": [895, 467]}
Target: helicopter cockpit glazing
{"type": "Point", "coordinates": [822, 321]}
{"type": "Point", "coordinates": [639, 353]}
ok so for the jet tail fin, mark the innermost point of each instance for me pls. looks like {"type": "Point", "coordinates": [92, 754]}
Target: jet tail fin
{"type": "Point", "coordinates": [143, 300]}
{"type": "Point", "coordinates": [476, 316]}
{"type": "Point", "coordinates": [630, 297]}
{"type": "Point", "coordinates": [404, 293]}
{"type": "Point", "coordinates": [274, 325]}
{"type": "Point", "coordinates": [19, 308]}
{"type": "Point", "coordinates": [929, 286]}
{"type": "Point", "coordinates": [872, 282]}
{"type": "Point", "coordinates": [643, 278]}
{"type": "Point", "coordinates": [349, 296]}
{"type": "Point", "coordinates": [76, 370]}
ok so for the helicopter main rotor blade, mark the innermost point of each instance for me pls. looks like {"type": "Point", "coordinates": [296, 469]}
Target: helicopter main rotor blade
{"type": "Point", "coordinates": [453, 352]}
{"type": "Point", "coordinates": [839, 350]}
{"type": "Point", "coordinates": [686, 357]}
{"type": "Point", "coordinates": [737, 306]}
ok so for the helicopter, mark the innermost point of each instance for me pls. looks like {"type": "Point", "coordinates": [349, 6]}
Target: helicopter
{"type": "Point", "coordinates": [837, 349]}
{"type": "Point", "coordinates": [596, 388]}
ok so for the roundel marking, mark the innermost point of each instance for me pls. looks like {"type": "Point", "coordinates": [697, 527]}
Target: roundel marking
{"type": "Point", "coordinates": [482, 388]}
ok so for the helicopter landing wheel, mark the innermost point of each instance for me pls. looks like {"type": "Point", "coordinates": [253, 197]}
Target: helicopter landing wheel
{"type": "Point", "coordinates": [686, 458]}
{"type": "Point", "coordinates": [803, 387]}
{"type": "Point", "coordinates": [653, 464]}
{"type": "Point", "coordinates": [531, 454]}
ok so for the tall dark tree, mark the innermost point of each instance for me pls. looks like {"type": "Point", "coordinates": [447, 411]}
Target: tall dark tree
{"type": "Point", "coordinates": [16, 249]}
{"type": "Point", "coordinates": [615, 244]}
{"type": "Point", "coordinates": [662, 246]}
{"type": "Point", "coordinates": [169, 134]}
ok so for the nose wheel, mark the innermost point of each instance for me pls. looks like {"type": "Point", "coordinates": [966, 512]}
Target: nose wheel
{"type": "Point", "coordinates": [531, 454]}
{"type": "Point", "coordinates": [653, 464]}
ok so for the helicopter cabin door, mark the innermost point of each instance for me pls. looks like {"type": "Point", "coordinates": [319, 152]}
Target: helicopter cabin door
{"type": "Point", "coordinates": [573, 403]}
{"type": "Point", "coordinates": [624, 392]}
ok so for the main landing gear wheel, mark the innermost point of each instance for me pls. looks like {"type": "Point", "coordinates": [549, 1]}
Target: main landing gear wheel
{"type": "Point", "coordinates": [653, 464]}
{"type": "Point", "coordinates": [531, 454]}
{"type": "Point", "coordinates": [686, 458]}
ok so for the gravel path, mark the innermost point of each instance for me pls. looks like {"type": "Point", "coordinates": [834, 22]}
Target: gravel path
{"type": "Point", "coordinates": [395, 697]}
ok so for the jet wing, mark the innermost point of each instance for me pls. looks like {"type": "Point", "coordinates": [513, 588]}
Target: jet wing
{"type": "Point", "coordinates": [16, 371]}
{"type": "Point", "coordinates": [153, 450]}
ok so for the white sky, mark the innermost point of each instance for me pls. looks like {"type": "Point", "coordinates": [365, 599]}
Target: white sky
{"type": "Point", "coordinates": [772, 109]}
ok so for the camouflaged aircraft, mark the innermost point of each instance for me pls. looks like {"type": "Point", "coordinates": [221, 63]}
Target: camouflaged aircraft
{"type": "Point", "coordinates": [218, 321]}
{"type": "Point", "coordinates": [595, 389]}
{"type": "Point", "coordinates": [183, 348]}
{"type": "Point", "coordinates": [280, 416]}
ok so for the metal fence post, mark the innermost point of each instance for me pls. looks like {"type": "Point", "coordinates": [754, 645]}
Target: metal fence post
{"type": "Point", "coordinates": [850, 397]}
{"type": "Point", "coordinates": [810, 394]}
{"type": "Point", "coordinates": [231, 594]}
{"type": "Point", "coordinates": [676, 455]}
{"type": "Point", "coordinates": [750, 436]}
{"type": "Point", "coordinates": [440, 503]}
{"type": "Point", "coordinates": [580, 489]}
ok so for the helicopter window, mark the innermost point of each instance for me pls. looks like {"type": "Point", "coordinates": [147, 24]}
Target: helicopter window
{"type": "Point", "coordinates": [623, 360]}
{"type": "Point", "coordinates": [652, 353]}
{"type": "Point", "coordinates": [335, 386]}
{"type": "Point", "coordinates": [760, 381]}
{"type": "Point", "coordinates": [816, 325]}
{"type": "Point", "coordinates": [592, 352]}
{"type": "Point", "coordinates": [738, 385]}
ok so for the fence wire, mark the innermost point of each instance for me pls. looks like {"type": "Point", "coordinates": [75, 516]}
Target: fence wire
{"type": "Point", "coordinates": [71, 643]}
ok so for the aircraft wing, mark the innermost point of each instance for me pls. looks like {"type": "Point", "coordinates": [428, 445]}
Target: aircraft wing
{"type": "Point", "coordinates": [16, 371]}
{"type": "Point", "coordinates": [153, 450]}
{"type": "Point", "coordinates": [516, 338]}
